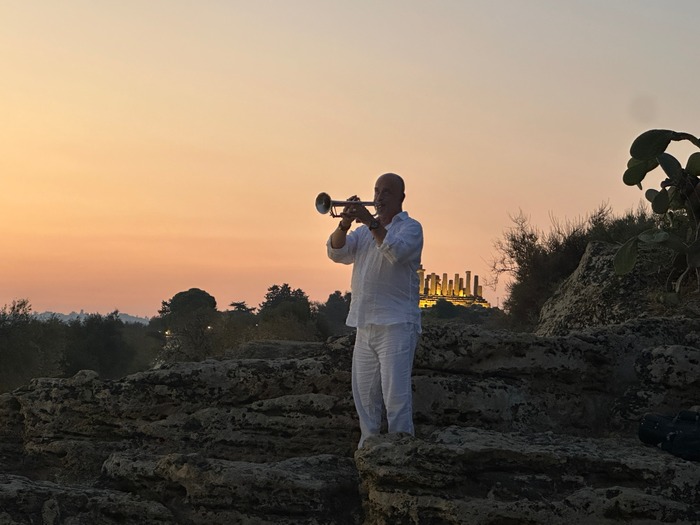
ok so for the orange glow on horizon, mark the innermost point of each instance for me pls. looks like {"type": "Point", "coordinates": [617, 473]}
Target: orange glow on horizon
{"type": "Point", "coordinates": [148, 148]}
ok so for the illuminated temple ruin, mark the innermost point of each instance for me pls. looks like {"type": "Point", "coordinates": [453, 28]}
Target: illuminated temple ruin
{"type": "Point", "coordinates": [459, 290]}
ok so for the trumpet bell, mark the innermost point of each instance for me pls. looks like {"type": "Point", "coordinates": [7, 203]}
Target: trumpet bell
{"type": "Point", "coordinates": [323, 203]}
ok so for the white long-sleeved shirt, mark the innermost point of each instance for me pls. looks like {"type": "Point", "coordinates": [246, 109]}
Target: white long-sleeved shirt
{"type": "Point", "coordinates": [384, 278]}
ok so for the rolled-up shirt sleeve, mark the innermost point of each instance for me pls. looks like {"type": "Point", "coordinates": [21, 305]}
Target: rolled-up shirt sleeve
{"type": "Point", "coordinates": [346, 254]}
{"type": "Point", "coordinates": [403, 241]}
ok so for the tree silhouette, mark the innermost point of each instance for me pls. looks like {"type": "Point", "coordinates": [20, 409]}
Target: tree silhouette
{"type": "Point", "coordinates": [283, 301]}
{"type": "Point", "coordinates": [241, 306]}
{"type": "Point", "coordinates": [187, 320]}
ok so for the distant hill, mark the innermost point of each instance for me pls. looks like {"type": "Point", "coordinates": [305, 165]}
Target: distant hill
{"type": "Point", "coordinates": [80, 315]}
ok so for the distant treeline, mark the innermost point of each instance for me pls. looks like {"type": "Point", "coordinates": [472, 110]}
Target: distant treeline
{"type": "Point", "coordinates": [33, 347]}
{"type": "Point", "coordinates": [188, 327]}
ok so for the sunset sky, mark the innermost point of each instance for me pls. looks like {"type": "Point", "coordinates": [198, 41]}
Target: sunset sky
{"type": "Point", "coordinates": [148, 147]}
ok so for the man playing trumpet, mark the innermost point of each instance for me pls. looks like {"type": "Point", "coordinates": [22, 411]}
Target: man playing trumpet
{"type": "Point", "coordinates": [385, 253]}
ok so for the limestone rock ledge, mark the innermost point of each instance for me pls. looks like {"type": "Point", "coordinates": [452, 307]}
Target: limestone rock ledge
{"type": "Point", "coordinates": [296, 490]}
{"type": "Point", "coordinates": [24, 501]}
{"type": "Point", "coordinates": [511, 428]}
{"type": "Point", "coordinates": [472, 476]}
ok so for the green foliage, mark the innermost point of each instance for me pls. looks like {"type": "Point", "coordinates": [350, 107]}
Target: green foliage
{"type": "Point", "coordinates": [537, 262]}
{"type": "Point", "coordinates": [444, 309]}
{"type": "Point", "coordinates": [30, 347]}
{"type": "Point", "coordinates": [191, 328]}
{"type": "Point", "coordinates": [104, 344]}
{"type": "Point", "coordinates": [446, 312]}
{"type": "Point", "coordinates": [283, 301]}
{"type": "Point", "coordinates": [651, 143]}
{"type": "Point", "coordinates": [331, 316]}
{"type": "Point", "coordinates": [188, 327]}
{"type": "Point", "coordinates": [145, 345]}
{"type": "Point", "coordinates": [286, 313]}
{"type": "Point", "coordinates": [234, 327]}
{"type": "Point", "coordinates": [242, 307]}
{"type": "Point", "coordinates": [187, 321]}
{"type": "Point", "coordinates": [677, 203]}
{"type": "Point", "coordinates": [18, 313]}
{"type": "Point", "coordinates": [184, 303]}
{"type": "Point", "coordinates": [285, 327]}
{"type": "Point", "coordinates": [637, 170]}
{"type": "Point", "coordinates": [626, 257]}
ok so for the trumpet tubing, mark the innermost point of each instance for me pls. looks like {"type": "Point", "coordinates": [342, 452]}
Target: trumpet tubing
{"type": "Point", "coordinates": [324, 204]}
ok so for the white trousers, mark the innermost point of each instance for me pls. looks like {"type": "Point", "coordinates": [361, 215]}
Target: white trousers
{"type": "Point", "coordinates": [382, 362]}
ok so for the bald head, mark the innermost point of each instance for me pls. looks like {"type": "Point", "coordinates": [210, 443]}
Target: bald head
{"type": "Point", "coordinates": [393, 179]}
{"type": "Point", "coordinates": [388, 197]}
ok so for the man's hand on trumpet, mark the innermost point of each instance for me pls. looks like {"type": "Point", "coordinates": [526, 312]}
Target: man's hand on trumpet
{"type": "Point", "coordinates": [355, 213]}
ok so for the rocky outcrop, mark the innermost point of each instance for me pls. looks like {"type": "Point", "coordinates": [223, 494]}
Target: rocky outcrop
{"type": "Point", "coordinates": [511, 428]}
{"type": "Point", "coordinates": [475, 476]}
{"type": "Point", "coordinates": [590, 383]}
{"type": "Point", "coordinates": [27, 501]}
{"type": "Point", "coordinates": [594, 296]}
{"type": "Point", "coordinates": [311, 489]}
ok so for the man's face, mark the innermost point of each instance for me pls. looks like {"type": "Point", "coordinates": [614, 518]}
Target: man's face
{"type": "Point", "coordinates": [388, 198]}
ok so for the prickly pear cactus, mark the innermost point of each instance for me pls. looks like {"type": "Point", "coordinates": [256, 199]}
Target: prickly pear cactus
{"type": "Point", "coordinates": [678, 198]}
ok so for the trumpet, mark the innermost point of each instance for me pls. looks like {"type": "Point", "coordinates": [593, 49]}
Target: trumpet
{"type": "Point", "coordinates": [324, 204]}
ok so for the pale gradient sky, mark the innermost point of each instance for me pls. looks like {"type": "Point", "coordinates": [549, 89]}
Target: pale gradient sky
{"type": "Point", "coordinates": [148, 147]}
